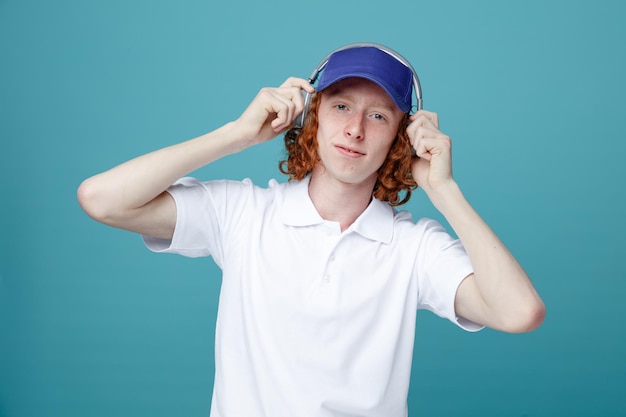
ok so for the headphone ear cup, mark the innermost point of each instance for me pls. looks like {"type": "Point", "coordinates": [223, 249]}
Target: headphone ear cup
{"type": "Point", "coordinates": [306, 97]}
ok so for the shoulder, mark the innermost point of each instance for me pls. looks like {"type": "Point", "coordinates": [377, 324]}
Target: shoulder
{"type": "Point", "coordinates": [233, 189]}
{"type": "Point", "coordinates": [403, 221]}
{"type": "Point", "coordinates": [424, 234]}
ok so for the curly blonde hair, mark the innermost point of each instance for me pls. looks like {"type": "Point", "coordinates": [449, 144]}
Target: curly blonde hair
{"type": "Point", "coordinates": [394, 176]}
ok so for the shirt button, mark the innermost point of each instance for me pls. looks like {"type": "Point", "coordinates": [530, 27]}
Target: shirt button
{"type": "Point", "coordinates": [331, 257]}
{"type": "Point", "coordinates": [327, 278]}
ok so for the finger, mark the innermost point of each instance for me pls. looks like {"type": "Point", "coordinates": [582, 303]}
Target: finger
{"type": "Point", "coordinates": [297, 97]}
{"type": "Point", "coordinates": [427, 146]}
{"type": "Point", "coordinates": [289, 104]}
{"type": "Point", "coordinates": [285, 111]}
{"type": "Point", "coordinates": [421, 128]}
{"type": "Point", "coordinates": [299, 83]}
{"type": "Point", "coordinates": [277, 107]}
{"type": "Point", "coordinates": [425, 115]}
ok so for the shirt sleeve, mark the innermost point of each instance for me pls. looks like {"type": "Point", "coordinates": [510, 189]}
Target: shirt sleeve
{"type": "Point", "coordinates": [442, 265]}
{"type": "Point", "coordinates": [203, 211]}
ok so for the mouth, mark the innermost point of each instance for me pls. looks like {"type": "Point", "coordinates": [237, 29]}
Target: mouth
{"type": "Point", "coordinates": [351, 152]}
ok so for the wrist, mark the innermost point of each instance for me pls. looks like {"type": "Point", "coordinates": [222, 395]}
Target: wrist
{"type": "Point", "coordinates": [445, 195]}
{"type": "Point", "coordinates": [234, 138]}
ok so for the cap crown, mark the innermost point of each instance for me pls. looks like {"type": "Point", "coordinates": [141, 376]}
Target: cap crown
{"type": "Point", "coordinates": [372, 64]}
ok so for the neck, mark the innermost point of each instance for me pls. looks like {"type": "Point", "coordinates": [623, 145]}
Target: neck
{"type": "Point", "coordinates": [339, 201]}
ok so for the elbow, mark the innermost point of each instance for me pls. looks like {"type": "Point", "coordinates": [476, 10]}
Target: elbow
{"type": "Point", "coordinates": [91, 200]}
{"type": "Point", "coordinates": [528, 318]}
{"type": "Point", "coordinates": [537, 316]}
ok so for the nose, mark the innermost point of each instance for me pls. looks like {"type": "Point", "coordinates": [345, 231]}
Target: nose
{"type": "Point", "coordinates": [354, 128]}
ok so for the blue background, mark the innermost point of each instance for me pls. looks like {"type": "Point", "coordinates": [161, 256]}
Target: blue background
{"type": "Point", "coordinates": [93, 324]}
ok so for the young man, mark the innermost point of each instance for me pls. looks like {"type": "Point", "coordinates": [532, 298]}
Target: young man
{"type": "Point", "coordinates": [322, 277]}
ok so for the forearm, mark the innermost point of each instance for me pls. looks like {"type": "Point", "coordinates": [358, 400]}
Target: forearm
{"type": "Point", "coordinates": [137, 182]}
{"type": "Point", "coordinates": [507, 299]}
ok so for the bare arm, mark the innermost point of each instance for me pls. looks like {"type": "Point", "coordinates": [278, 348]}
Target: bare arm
{"type": "Point", "coordinates": [132, 195]}
{"type": "Point", "coordinates": [499, 294]}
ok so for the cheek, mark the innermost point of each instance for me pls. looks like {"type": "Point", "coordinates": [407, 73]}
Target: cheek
{"type": "Point", "coordinates": [321, 136]}
{"type": "Point", "coordinates": [386, 138]}
{"type": "Point", "coordinates": [383, 150]}
{"type": "Point", "coordinates": [326, 123]}
{"type": "Point", "coordinates": [381, 156]}
{"type": "Point", "coordinates": [325, 132]}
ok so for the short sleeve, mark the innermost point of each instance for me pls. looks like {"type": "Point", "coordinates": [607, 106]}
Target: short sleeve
{"type": "Point", "coordinates": [442, 264]}
{"type": "Point", "coordinates": [203, 210]}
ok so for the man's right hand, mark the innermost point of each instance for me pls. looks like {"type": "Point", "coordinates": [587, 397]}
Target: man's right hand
{"type": "Point", "coordinates": [272, 111]}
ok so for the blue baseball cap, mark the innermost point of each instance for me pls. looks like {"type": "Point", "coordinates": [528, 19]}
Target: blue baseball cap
{"type": "Point", "coordinates": [372, 64]}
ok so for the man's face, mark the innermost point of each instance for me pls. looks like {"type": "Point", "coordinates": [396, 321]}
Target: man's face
{"type": "Point", "coordinates": [358, 123]}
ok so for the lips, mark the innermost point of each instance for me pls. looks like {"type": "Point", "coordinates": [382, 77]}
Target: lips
{"type": "Point", "coordinates": [349, 151]}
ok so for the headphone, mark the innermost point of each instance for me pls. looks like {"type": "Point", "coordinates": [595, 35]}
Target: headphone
{"type": "Point", "coordinates": [417, 89]}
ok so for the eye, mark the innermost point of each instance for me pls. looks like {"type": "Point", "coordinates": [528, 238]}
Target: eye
{"type": "Point", "coordinates": [341, 107]}
{"type": "Point", "coordinates": [379, 116]}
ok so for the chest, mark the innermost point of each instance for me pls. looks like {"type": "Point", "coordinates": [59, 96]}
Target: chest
{"type": "Point", "coordinates": [318, 272]}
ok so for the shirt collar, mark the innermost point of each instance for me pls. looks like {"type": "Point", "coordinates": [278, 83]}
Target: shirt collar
{"type": "Point", "coordinates": [376, 222]}
{"type": "Point", "coordinates": [297, 209]}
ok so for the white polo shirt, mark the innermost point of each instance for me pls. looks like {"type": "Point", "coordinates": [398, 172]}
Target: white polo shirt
{"type": "Point", "coordinates": [313, 321]}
